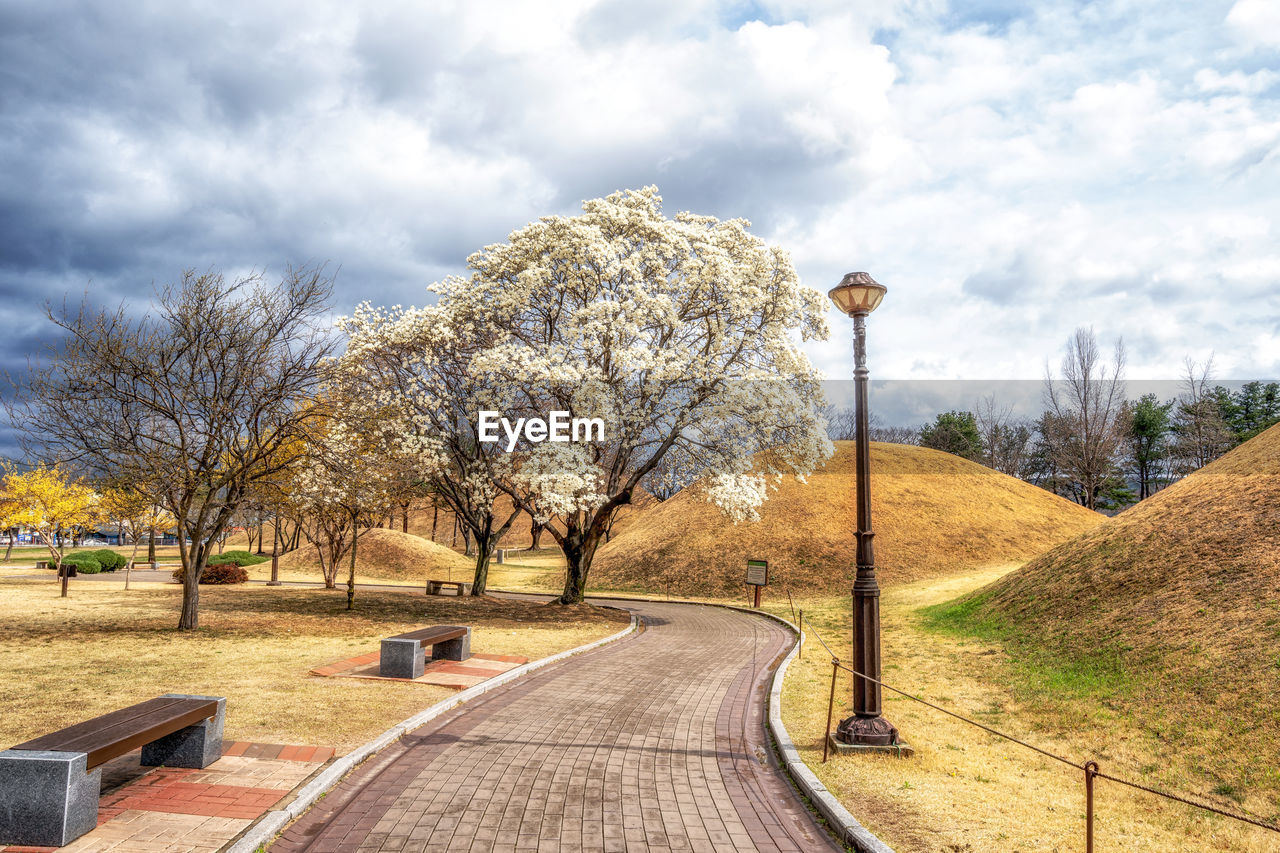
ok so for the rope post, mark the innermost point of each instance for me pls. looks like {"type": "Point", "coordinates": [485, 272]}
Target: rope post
{"type": "Point", "coordinates": [831, 703]}
{"type": "Point", "coordinates": [1090, 770]}
{"type": "Point", "coordinates": [801, 635]}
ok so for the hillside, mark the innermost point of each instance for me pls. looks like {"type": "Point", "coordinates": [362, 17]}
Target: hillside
{"type": "Point", "coordinates": [1169, 615]}
{"type": "Point", "coordinates": [933, 514]}
{"type": "Point", "coordinates": [1202, 554]}
{"type": "Point", "coordinates": [390, 555]}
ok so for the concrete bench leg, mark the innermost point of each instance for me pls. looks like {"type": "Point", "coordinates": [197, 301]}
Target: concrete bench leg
{"type": "Point", "coordinates": [401, 659]}
{"type": "Point", "coordinates": [195, 746]}
{"type": "Point", "coordinates": [46, 798]}
{"type": "Point", "coordinates": [459, 649]}
{"type": "Point", "coordinates": [433, 588]}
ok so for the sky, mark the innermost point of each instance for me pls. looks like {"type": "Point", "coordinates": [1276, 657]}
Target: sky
{"type": "Point", "coordinates": [1009, 170]}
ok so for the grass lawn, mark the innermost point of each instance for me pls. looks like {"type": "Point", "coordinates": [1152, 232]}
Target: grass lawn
{"type": "Point", "coordinates": [966, 790]}
{"type": "Point", "coordinates": [64, 660]}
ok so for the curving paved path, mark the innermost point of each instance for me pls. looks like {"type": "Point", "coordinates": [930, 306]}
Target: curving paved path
{"type": "Point", "coordinates": [652, 743]}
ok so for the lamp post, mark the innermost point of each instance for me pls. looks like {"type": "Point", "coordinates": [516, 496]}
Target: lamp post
{"type": "Point", "coordinates": [857, 295]}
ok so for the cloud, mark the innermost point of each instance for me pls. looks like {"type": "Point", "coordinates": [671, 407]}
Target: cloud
{"type": "Point", "coordinates": [1010, 171]}
{"type": "Point", "coordinates": [1257, 22]}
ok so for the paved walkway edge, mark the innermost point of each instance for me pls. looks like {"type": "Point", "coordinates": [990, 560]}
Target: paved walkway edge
{"type": "Point", "coordinates": [842, 821]}
{"type": "Point", "coordinates": [269, 825]}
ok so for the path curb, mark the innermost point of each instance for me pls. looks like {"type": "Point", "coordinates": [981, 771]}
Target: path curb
{"type": "Point", "coordinates": [846, 826]}
{"type": "Point", "coordinates": [269, 825]}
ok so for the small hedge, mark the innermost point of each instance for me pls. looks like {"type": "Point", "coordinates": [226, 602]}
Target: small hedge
{"type": "Point", "coordinates": [220, 573]}
{"type": "Point", "coordinates": [108, 560]}
{"type": "Point", "coordinates": [84, 565]}
{"type": "Point", "coordinates": [240, 558]}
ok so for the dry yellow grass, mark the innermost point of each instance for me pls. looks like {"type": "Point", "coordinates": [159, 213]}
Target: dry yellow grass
{"type": "Point", "coordinates": [1173, 610]}
{"type": "Point", "coordinates": [64, 660]}
{"type": "Point", "coordinates": [934, 514]}
{"type": "Point", "coordinates": [965, 791]}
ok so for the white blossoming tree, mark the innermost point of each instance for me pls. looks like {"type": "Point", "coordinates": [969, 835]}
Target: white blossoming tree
{"type": "Point", "coordinates": [679, 333]}
{"type": "Point", "coordinates": [348, 470]}
{"type": "Point", "coordinates": [408, 371]}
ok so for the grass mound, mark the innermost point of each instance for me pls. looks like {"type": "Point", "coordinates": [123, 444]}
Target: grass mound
{"type": "Point", "coordinates": [392, 556]}
{"type": "Point", "coordinates": [1202, 555]}
{"type": "Point", "coordinates": [933, 514]}
{"type": "Point", "coordinates": [1178, 598]}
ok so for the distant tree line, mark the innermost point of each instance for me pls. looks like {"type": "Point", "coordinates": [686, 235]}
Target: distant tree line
{"type": "Point", "coordinates": [1091, 443]}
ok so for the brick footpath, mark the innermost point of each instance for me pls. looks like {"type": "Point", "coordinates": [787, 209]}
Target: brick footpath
{"type": "Point", "coordinates": [654, 743]}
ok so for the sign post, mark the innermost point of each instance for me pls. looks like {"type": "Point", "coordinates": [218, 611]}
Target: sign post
{"type": "Point", "coordinates": [757, 576]}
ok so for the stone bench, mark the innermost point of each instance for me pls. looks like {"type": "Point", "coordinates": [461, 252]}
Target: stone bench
{"type": "Point", "coordinates": [49, 786]}
{"type": "Point", "coordinates": [462, 587]}
{"type": "Point", "coordinates": [404, 655]}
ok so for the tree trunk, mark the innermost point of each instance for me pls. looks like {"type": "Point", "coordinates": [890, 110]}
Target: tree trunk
{"type": "Point", "coordinates": [435, 517]}
{"type": "Point", "coordinates": [128, 567]}
{"type": "Point", "coordinates": [468, 542]}
{"type": "Point", "coordinates": [193, 559]}
{"type": "Point", "coordinates": [579, 550]}
{"type": "Point", "coordinates": [405, 528]}
{"type": "Point", "coordinates": [535, 531]}
{"type": "Point", "coordinates": [8, 549]}
{"type": "Point", "coordinates": [151, 545]}
{"type": "Point", "coordinates": [351, 577]}
{"type": "Point", "coordinates": [481, 579]}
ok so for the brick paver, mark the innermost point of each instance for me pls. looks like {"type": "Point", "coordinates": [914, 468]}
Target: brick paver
{"type": "Point", "coordinates": [654, 743]}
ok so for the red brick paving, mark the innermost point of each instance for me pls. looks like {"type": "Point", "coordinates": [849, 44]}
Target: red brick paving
{"type": "Point", "coordinates": [284, 752]}
{"type": "Point", "coordinates": [654, 743]}
{"type": "Point", "coordinates": [164, 790]}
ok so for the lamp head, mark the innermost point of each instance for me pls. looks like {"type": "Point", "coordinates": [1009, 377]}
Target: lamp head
{"type": "Point", "coordinates": [857, 293]}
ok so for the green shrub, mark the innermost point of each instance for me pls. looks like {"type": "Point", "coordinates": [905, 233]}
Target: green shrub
{"type": "Point", "coordinates": [218, 573]}
{"type": "Point", "coordinates": [109, 560]}
{"type": "Point", "coordinates": [240, 558]}
{"type": "Point", "coordinates": [85, 565]}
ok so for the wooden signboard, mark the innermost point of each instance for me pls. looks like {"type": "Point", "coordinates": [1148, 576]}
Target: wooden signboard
{"type": "Point", "coordinates": [757, 577]}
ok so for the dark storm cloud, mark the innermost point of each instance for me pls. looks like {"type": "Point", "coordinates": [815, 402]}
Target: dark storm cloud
{"type": "Point", "coordinates": [391, 140]}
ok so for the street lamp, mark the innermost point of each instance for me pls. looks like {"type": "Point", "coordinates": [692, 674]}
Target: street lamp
{"type": "Point", "coordinates": [857, 295]}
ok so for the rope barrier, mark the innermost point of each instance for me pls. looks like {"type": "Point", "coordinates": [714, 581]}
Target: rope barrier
{"type": "Point", "coordinates": [1090, 768]}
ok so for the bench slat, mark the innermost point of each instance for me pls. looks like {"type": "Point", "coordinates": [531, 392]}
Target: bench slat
{"type": "Point", "coordinates": [114, 734]}
{"type": "Point", "coordinates": [428, 636]}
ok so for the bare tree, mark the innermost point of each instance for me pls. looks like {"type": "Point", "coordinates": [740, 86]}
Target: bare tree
{"type": "Point", "coordinates": [1200, 433]}
{"type": "Point", "coordinates": [1006, 440]}
{"type": "Point", "coordinates": [841, 423]}
{"type": "Point", "coordinates": [201, 398]}
{"type": "Point", "coordinates": [842, 426]}
{"type": "Point", "coordinates": [1088, 405]}
{"type": "Point", "coordinates": [894, 434]}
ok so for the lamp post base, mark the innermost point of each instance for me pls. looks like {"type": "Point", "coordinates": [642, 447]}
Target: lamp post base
{"type": "Point", "coordinates": [868, 734]}
{"type": "Point", "coordinates": [902, 749]}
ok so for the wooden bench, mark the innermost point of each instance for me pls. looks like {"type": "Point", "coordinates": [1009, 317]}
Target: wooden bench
{"type": "Point", "coordinates": [49, 786]}
{"type": "Point", "coordinates": [404, 655]}
{"type": "Point", "coordinates": [462, 587]}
